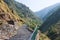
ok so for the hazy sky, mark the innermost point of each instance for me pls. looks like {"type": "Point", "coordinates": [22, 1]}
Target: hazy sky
{"type": "Point", "coordinates": [36, 5]}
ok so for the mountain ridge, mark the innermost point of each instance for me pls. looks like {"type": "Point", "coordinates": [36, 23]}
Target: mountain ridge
{"type": "Point", "coordinates": [44, 13]}
{"type": "Point", "coordinates": [51, 25]}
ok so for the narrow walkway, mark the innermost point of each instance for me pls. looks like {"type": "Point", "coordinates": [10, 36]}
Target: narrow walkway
{"type": "Point", "coordinates": [23, 34]}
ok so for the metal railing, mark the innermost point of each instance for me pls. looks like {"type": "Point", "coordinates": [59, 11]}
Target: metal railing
{"type": "Point", "coordinates": [33, 36]}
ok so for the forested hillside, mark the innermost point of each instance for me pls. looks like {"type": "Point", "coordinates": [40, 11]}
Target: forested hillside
{"type": "Point", "coordinates": [51, 26]}
{"type": "Point", "coordinates": [24, 12]}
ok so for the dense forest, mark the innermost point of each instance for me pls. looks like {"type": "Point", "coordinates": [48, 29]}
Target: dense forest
{"type": "Point", "coordinates": [52, 25]}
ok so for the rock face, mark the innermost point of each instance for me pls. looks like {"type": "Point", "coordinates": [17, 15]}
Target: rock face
{"type": "Point", "coordinates": [9, 21]}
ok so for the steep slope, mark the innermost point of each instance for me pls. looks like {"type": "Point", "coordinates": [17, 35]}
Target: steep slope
{"type": "Point", "coordinates": [25, 13]}
{"type": "Point", "coordinates": [9, 21]}
{"type": "Point", "coordinates": [44, 13]}
{"type": "Point", "coordinates": [52, 25]}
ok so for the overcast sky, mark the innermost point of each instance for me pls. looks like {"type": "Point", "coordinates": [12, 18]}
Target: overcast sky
{"type": "Point", "coordinates": [36, 5]}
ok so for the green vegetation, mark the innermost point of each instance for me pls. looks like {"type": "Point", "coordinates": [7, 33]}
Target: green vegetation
{"type": "Point", "coordinates": [44, 37]}
{"type": "Point", "coordinates": [51, 26]}
{"type": "Point", "coordinates": [25, 13]}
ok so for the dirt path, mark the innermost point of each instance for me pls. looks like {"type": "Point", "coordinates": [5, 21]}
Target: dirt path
{"type": "Point", "coordinates": [23, 34]}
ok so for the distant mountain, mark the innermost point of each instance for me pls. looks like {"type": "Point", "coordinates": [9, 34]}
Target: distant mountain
{"type": "Point", "coordinates": [51, 26]}
{"type": "Point", "coordinates": [43, 14]}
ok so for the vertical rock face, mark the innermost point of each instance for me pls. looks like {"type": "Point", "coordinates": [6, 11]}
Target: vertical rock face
{"type": "Point", "coordinates": [9, 21]}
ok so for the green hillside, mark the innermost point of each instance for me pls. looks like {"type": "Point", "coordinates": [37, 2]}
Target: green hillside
{"type": "Point", "coordinates": [51, 26]}
{"type": "Point", "coordinates": [24, 12]}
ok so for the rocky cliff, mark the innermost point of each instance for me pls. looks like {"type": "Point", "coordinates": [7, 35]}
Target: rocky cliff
{"type": "Point", "coordinates": [9, 21]}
